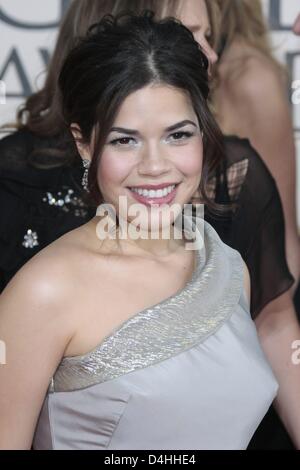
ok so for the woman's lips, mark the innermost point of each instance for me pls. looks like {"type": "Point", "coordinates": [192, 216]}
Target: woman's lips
{"type": "Point", "coordinates": [154, 201]}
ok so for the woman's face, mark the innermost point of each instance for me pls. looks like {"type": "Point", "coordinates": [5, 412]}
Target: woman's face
{"type": "Point", "coordinates": [153, 153]}
{"type": "Point", "coordinates": [193, 14]}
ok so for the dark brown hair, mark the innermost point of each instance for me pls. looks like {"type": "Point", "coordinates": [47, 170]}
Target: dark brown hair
{"type": "Point", "coordinates": [41, 111]}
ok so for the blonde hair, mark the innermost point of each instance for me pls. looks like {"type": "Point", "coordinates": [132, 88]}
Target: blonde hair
{"type": "Point", "coordinates": [164, 8]}
{"type": "Point", "coordinates": [243, 18]}
{"type": "Point", "coordinates": [214, 15]}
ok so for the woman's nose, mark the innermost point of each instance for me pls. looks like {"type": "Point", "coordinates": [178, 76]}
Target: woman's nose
{"type": "Point", "coordinates": [153, 162]}
{"type": "Point", "coordinates": [212, 59]}
{"type": "Point", "coordinates": [211, 55]}
{"type": "Point", "coordinates": [209, 51]}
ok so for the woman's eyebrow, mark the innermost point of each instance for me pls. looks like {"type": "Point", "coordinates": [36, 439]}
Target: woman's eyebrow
{"type": "Point", "coordinates": [123, 130]}
{"type": "Point", "coordinates": [180, 124]}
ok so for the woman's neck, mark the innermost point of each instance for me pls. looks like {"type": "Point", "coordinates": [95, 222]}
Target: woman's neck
{"type": "Point", "coordinates": [235, 51]}
{"type": "Point", "coordinates": [146, 243]}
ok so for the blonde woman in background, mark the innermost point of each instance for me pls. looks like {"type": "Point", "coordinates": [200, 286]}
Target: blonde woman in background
{"type": "Point", "coordinates": [251, 101]}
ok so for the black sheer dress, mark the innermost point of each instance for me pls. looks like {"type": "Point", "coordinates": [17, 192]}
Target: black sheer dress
{"type": "Point", "coordinates": [40, 205]}
{"type": "Point", "coordinates": [256, 227]}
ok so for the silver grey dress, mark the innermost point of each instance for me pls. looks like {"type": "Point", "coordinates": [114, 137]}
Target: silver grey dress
{"type": "Point", "coordinates": [186, 373]}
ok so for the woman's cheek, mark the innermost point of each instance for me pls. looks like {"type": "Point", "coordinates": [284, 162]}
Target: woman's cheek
{"type": "Point", "coordinates": [190, 160]}
{"type": "Point", "coordinates": [113, 169]}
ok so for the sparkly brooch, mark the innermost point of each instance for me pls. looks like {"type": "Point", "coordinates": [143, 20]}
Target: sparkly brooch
{"type": "Point", "coordinates": [67, 202]}
{"type": "Point", "coordinates": [30, 239]}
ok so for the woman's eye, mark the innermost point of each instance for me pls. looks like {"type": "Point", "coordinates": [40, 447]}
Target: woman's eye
{"type": "Point", "coordinates": [180, 136]}
{"type": "Point", "coordinates": [122, 141]}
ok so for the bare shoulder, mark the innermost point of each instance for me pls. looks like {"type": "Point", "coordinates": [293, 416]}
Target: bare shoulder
{"type": "Point", "coordinates": [47, 274]}
{"type": "Point", "coordinates": [254, 76]}
{"type": "Point", "coordinates": [45, 287]}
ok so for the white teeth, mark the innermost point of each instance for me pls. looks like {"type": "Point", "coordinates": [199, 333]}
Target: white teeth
{"type": "Point", "coordinates": [153, 193]}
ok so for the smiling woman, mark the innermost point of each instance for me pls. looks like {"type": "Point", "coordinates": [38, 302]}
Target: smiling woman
{"type": "Point", "coordinates": [181, 84]}
{"type": "Point", "coordinates": [159, 159]}
{"type": "Point", "coordinates": [113, 335]}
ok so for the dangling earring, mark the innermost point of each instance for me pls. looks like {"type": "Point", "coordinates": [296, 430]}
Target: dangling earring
{"type": "Point", "coordinates": [86, 164]}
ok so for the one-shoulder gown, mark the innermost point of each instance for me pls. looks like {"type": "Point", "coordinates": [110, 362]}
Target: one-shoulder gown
{"type": "Point", "coordinates": [186, 373]}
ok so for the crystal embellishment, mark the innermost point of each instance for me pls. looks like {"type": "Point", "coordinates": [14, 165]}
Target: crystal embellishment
{"type": "Point", "coordinates": [67, 202]}
{"type": "Point", "coordinates": [30, 239]}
